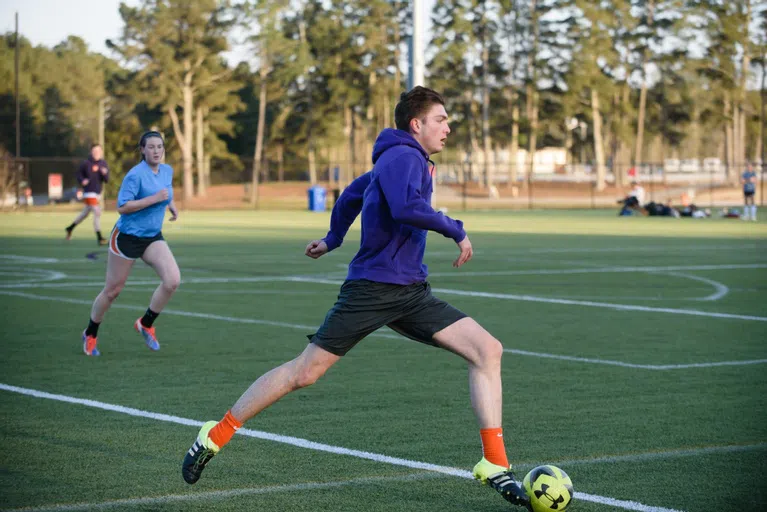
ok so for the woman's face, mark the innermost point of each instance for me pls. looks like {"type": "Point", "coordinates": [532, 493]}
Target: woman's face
{"type": "Point", "coordinates": [153, 150]}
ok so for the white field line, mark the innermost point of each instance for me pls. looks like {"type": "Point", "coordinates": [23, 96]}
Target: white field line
{"type": "Point", "coordinates": [596, 270]}
{"type": "Point", "coordinates": [721, 290]}
{"type": "Point", "coordinates": [145, 286]}
{"type": "Point", "coordinates": [32, 275]}
{"type": "Point", "coordinates": [608, 305]}
{"type": "Point", "coordinates": [153, 284]}
{"type": "Point", "coordinates": [305, 443]}
{"type": "Point", "coordinates": [226, 292]}
{"type": "Point", "coordinates": [483, 252]}
{"type": "Point", "coordinates": [487, 253]}
{"type": "Point", "coordinates": [632, 365]}
{"type": "Point", "coordinates": [391, 335]}
{"type": "Point", "coordinates": [165, 311]}
{"type": "Point", "coordinates": [188, 280]}
{"type": "Point", "coordinates": [532, 298]}
{"type": "Point", "coordinates": [198, 497]}
{"type": "Point", "coordinates": [667, 454]}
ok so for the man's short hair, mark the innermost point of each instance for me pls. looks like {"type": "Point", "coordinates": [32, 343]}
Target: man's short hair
{"type": "Point", "coordinates": [95, 145]}
{"type": "Point", "coordinates": [414, 104]}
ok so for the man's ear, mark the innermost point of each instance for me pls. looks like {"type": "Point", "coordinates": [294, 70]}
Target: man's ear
{"type": "Point", "coordinates": [415, 125]}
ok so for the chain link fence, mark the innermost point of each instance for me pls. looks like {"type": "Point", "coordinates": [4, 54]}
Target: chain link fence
{"type": "Point", "coordinates": [462, 185]}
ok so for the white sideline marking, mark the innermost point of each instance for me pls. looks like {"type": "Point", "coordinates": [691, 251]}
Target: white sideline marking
{"type": "Point", "coordinates": [392, 335]}
{"type": "Point", "coordinates": [632, 365]}
{"type": "Point", "coordinates": [620, 307]}
{"type": "Point", "coordinates": [27, 259]}
{"type": "Point", "coordinates": [532, 298]}
{"type": "Point", "coordinates": [189, 280]}
{"type": "Point", "coordinates": [595, 270]}
{"type": "Point", "coordinates": [682, 452]}
{"type": "Point", "coordinates": [305, 443]}
{"type": "Point", "coordinates": [166, 311]}
{"type": "Point", "coordinates": [224, 494]}
{"type": "Point", "coordinates": [485, 253]}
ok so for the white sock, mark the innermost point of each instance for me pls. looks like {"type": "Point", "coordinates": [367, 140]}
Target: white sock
{"type": "Point", "coordinates": [753, 211]}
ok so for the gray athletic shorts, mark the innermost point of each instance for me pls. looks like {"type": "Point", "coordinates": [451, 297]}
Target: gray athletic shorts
{"type": "Point", "coordinates": [364, 306]}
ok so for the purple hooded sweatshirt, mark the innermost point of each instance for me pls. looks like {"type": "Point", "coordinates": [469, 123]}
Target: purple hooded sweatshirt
{"type": "Point", "coordinates": [395, 201]}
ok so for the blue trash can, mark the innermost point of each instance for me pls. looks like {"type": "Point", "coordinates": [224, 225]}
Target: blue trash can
{"type": "Point", "coordinates": [317, 196]}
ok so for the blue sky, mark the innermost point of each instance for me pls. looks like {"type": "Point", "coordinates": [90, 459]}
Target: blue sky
{"type": "Point", "coordinates": [48, 22]}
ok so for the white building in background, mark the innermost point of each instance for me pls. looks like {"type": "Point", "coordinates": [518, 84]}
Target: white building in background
{"type": "Point", "coordinates": [546, 160]}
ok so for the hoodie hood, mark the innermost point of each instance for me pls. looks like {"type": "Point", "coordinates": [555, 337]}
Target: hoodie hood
{"type": "Point", "coordinates": [390, 137]}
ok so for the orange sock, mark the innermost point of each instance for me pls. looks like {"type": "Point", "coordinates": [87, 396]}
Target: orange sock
{"type": "Point", "coordinates": [224, 430]}
{"type": "Point", "coordinates": [492, 446]}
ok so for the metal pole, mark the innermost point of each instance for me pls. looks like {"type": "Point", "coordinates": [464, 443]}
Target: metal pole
{"type": "Point", "coordinates": [16, 72]}
{"type": "Point", "coordinates": [761, 131]}
{"type": "Point", "coordinates": [530, 188]}
{"type": "Point", "coordinates": [463, 195]}
{"type": "Point", "coordinates": [417, 54]}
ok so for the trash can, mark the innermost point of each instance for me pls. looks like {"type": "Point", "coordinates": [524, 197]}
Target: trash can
{"type": "Point", "coordinates": [317, 197]}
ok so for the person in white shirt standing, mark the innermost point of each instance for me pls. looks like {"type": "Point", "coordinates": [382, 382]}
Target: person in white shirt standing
{"type": "Point", "coordinates": [637, 191]}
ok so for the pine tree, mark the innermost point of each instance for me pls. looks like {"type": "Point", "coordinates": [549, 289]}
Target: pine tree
{"type": "Point", "coordinates": [172, 43]}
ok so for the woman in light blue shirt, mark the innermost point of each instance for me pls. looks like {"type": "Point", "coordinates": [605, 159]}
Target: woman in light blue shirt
{"type": "Point", "coordinates": [145, 193]}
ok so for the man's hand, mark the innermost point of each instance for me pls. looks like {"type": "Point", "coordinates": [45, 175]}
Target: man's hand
{"type": "Point", "coordinates": [466, 252]}
{"type": "Point", "coordinates": [173, 215]}
{"type": "Point", "coordinates": [85, 182]}
{"type": "Point", "coordinates": [103, 171]}
{"type": "Point", "coordinates": [316, 248]}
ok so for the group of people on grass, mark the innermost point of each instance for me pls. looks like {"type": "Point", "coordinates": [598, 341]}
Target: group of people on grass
{"type": "Point", "coordinates": [634, 202]}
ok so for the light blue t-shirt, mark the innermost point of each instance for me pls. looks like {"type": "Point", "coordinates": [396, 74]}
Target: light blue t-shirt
{"type": "Point", "coordinates": [141, 182]}
{"type": "Point", "coordinates": [749, 186]}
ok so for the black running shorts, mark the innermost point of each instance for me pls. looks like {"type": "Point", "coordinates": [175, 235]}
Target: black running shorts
{"type": "Point", "coordinates": [365, 306]}
{"type": "Point", "coordinates": [128, 246]}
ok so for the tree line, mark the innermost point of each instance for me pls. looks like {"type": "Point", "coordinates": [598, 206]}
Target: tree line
{"type": "Point", "coordinates": [612, 81]}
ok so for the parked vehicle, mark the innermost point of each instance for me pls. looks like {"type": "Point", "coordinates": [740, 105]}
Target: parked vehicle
{"type": "Point", "coordinates": [69, 195]}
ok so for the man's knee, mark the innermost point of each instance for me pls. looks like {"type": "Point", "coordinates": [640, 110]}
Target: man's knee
{"type": "Point", "coordinates": [307, 370]}
{"type": "Point", "coordinates": [491, 350]}
{"type": "Point", "coordinates": [306, 376]}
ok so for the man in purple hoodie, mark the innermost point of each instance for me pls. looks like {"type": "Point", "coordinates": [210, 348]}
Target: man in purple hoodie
{"type": "Point", "coordinates": [386, 286]}
{"type": "Point", "coordinates": [91, 175]}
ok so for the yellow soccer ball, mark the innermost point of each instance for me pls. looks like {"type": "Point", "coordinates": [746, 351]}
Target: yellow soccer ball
{"type": "Point", "coordinates": [549, 488]}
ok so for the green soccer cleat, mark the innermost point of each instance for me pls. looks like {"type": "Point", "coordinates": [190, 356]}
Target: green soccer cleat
{"type": "Point", "coordinates": [502, 480]}
{"type": "Point", "coordinates": [199, 454]}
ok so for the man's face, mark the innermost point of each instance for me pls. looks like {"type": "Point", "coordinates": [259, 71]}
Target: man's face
{"type": "Point", "coordinates": [431, 129]}
{"type": "Point", "coordinates": [97, 152]}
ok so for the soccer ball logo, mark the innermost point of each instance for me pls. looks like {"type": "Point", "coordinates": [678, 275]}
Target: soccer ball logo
{"type": "Point", "coordinates": [549, 488]}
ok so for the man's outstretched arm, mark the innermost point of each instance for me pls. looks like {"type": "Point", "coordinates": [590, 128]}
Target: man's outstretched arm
{"type": "Point", "coordinates": [345, 211]}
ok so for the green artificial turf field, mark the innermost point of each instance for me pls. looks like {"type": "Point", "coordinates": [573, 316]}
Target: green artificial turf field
{"type": "Point", "coordinates": [636, 357]}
